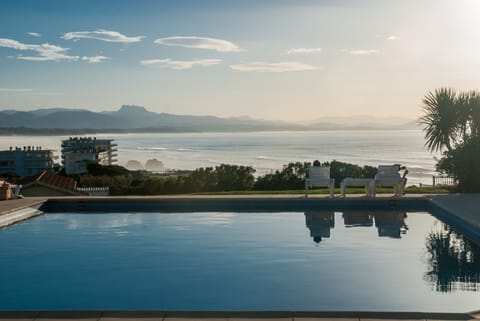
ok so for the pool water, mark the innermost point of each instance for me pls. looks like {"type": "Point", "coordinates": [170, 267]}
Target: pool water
{"type": "Point", "coordinates": [317, 260]}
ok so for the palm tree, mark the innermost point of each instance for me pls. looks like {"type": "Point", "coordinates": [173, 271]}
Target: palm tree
{"type": "Point", "coordinates": [441, 123]}
{"type": "Point", "coordinates": [474, 113]}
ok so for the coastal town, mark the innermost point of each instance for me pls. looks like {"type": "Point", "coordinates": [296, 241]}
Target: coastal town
{"type": "Point", "coordinates": [39, 173]}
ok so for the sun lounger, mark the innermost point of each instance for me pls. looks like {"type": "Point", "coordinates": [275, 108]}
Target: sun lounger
{"type": "Point", "coordinates": [388, 176]}
{"type": "Point", "coordinates": [319, 176]}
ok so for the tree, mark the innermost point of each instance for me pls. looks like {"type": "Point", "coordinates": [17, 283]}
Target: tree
{"type": "Point", "coordinates": [452, 123]}
{"type": "Point", "coordinates": [440, 121]}
{"type": "Point", "coordinates": [463, 163]}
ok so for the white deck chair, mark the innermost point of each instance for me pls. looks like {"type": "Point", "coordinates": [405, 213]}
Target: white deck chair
{"type": "Point", "coordinates": [388, 176]}
{"type": "Point", "coordinates": [319, 176]}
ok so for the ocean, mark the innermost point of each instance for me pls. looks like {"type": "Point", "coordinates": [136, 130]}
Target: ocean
{"type": "Point", "coordinates": [265, 151]}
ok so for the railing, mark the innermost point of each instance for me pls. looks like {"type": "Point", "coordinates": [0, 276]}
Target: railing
{"type": "Point", "coordinates": [444, 180]}
{"type": "Point", "coordinates": [95, 191]}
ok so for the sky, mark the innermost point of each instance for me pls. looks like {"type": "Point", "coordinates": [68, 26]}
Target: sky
{"type": "Point", "coordinates": [282, 60]}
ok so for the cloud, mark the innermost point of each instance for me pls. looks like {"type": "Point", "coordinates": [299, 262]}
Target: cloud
{"type": "Point", "coordinates": [29, 92]}
{"type": "Point", "coordinates": [34, 34]}
{"type": "Point", "coordinates": [180, 64]}
{"type": "Point", "coordinates": [16, 90]}
{"type": "Point", "coordinates": [303, 51]}
{"type": "Point", "coordinates": [104, 35]}
{"type": "Point", "coordinates": [45, 51]}
{"type": "Point", "coordinates": [199, 43]}
{"type": "Point", "coordinates": [44, 93]}
{"type": "Point", "coordinates": [392, 38]}
{"type": "Point", "coordinates": [259, 66]}
{"type": "Point", "coordinates": [94, 59]}
{"type": "Point", "coordinates": [362, 52]}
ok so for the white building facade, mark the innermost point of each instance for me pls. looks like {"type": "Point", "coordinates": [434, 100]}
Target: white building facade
{"type": "Point", "coordinates": [78, 152]}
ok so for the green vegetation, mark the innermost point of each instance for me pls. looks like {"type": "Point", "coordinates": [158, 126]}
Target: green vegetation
{"type": "Point", "coordinates": [209, 179]}
{"type": "Point", "coordinates": [226, 179]}
{"type": "Point", "coordinates": [292, 176]}
{"type": "Point", "coordinates": [452, 125]}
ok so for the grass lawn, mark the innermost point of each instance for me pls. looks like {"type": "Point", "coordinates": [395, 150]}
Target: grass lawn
{"type": "Point", "coordinates": [353, 190]}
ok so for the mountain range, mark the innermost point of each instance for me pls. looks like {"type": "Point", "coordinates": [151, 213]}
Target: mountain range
{"type": "Point", "coordinates": [130, 118]}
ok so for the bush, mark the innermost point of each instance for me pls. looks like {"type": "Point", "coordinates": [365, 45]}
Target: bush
{"type": "Point", "coordinates": [341, 170]}
{"type": "Point", "coordinates": [222, 178]}
{"type": "Point", "coordinates": [111, 170]}
{"type": "Point", "coordinates": [463, 163]}
{"type": "Point", "coordinates": [234, 178]}
{"type": "Point", "coordinates": [292, 176]}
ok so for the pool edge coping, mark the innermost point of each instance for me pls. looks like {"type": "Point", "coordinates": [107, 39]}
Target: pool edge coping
{"type": "Point", "coordinates": [228, 314]}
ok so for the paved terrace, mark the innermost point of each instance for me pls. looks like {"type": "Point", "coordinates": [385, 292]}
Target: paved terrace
{"type": "Point", "coordinates": [230, 316]}
{"type": "Point", "coordinates": [463, 207]}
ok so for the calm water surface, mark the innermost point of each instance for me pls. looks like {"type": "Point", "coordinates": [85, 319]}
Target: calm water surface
{"type": "Point", "coordinates": [265, 151]}
{"type": "Point", "coordinates": [362, 260]}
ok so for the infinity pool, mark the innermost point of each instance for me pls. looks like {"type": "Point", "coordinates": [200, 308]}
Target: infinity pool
{"type": "Point", "coordinates": [314, 260]}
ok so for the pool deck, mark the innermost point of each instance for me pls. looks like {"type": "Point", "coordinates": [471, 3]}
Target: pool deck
{"type": "Point", "coordinates": [231, 316]}
{"type": "Point", "coordinates": [464, 206]}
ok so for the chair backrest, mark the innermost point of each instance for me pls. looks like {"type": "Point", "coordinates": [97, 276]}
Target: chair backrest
{"type": "Point", "coordinates": [316, 172]}
{"type": "Point", "coordinates": [387, 171]}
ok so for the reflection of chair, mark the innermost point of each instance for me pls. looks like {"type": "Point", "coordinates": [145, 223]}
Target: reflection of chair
{"type": "Point", "coordinates": [390, 223]}
{"type": "Point", "coordinates": [319, 176]}
{"type": "Point", "coordinates": [319, 223]}
{"type": "Point", "coordinates": [388, 176]}
{"type": "Point", "coordinates": [357, 218]}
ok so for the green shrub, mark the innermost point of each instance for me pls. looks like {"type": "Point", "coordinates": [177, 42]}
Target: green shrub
{"type": "Point", "coordinates": [292, 176]}
{"type": "Point", "coordinates": [341, 170]}
{"type": "Point", "coordinates": [463, 163]}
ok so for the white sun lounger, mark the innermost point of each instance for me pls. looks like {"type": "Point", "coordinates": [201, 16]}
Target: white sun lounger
{"type": "Point", "coordinates": [388, 176]}
{"type": "Point", "coordinates": [319, 176]}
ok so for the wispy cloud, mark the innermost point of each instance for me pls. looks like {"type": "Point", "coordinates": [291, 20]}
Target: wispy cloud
{"type": "Point", "coordinates": [391, 38]}
{"type": "Point", "coordinates": [29, 92]}
{"type": "Point", "coordinates": [45, 51]}
{"type": "Point", "coordinates": [100, 34]}
{"type": "Point", "coordinates": [94, 59]}
{"type": "Point", "coordinates": [15, 90]}
{"type": "Point", "coordinates": [34, 34]}
{"type": "Point", "coordinates": [303, 51]}
{"type": "Point", "coordinates": [199, 43]}
{"type": "Point", "coordinates": [42, 93]}
{"type": "Point", "coordinates": [180, 64]}
{"type": "Point", "coordinates": [259, 66]}
{"type": "Point", "coordinates": [362, 52]}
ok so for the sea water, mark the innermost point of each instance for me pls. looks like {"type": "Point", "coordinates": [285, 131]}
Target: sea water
{"type": "Point", "coordinates": [265, 151]}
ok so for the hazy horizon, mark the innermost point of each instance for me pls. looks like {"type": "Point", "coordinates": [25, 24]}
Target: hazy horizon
{"type": "Point", "coordinates": [273, 60]}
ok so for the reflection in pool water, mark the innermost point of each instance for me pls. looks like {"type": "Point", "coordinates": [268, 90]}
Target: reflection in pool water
{"type": "Point", "coordinates": [453, 261]}
{"type": "Point", "coordinates": [314, 260]}
{"type": "Point", "coordinates": [388, 223]}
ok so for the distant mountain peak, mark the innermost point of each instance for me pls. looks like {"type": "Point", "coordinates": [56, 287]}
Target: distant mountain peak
{"type": "Point", "coordinates": [132, 109]}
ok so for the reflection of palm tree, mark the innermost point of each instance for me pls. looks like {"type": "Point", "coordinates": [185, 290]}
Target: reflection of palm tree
{"type": "Point", "coordinates": [453, 261]}
{"type": "Point", "coordinates": [319, 223]}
